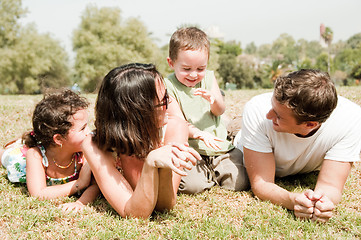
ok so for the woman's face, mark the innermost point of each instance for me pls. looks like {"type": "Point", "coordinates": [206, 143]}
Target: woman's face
{"type": "Point", "coordinates": [161, 103]}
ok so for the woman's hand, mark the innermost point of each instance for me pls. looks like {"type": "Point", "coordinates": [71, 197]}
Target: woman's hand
{"type": "Point", "coordinates": [174, 156]}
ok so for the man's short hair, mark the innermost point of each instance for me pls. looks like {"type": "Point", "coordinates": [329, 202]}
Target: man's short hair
{"type": "Point", "coordinates": [309, 93]}
{"type": "Point", "coordinates": [189, 38]}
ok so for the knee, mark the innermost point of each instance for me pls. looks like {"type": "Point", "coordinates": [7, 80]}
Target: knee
{"type": "Point", "coordinates": [194, 187]}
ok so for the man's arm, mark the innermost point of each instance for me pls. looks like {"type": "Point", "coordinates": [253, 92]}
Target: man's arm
{"type": "Point", "coordinates": [329, 187]}
{"type": "Point", "coordinates": [261, 172]}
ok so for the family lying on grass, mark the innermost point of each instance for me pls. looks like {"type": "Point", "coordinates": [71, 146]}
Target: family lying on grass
{"type": "Point", "coordinates": [147, 145]}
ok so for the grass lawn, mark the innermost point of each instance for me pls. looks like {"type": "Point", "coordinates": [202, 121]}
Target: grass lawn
{"type": "Point", "coordinates": [215, 214]}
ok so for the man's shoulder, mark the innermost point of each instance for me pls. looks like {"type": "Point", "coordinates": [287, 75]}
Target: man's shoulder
{"type": "Point", "coordinates": [262, 100]}
{"type": "Point", "coordinates": [346, 109]}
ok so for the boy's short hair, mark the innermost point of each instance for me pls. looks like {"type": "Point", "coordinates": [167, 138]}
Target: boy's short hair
{"type": "Point", "coordinates": [189, 38]}
{"type": "Point", "coordinates": [309, 93]}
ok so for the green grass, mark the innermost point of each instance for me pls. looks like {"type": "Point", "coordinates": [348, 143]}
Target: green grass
{"type": "Point", "coordinates": [215, 214]}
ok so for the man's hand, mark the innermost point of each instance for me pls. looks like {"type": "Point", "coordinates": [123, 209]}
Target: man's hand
{"type": "Point", "coordinates": [323, 207]}
{"type": "Point", "coordinates": [304, 205]}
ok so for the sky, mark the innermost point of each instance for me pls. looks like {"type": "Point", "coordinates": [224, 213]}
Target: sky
{"type": "Point", "coordinates": [258, 21]}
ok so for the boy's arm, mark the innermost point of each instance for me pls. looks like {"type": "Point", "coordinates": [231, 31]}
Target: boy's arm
{"type": "Point", "coordinates": [174, 110]}
{"type": "Point", "coordinates": [210, 140]}
{"type": "Point", "coordinates": [218, 107]}
{"type": "Point", "coordinates": [214, 97]}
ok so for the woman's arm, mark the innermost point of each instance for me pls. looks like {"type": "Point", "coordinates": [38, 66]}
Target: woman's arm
{"type": "Point", "coordinates": [177, 132]}
{"type": "Point", "coordinates": [116, 189]}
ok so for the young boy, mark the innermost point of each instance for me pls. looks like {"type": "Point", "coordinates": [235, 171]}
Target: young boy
{"type": "Point", "coordinates": [196, 97]}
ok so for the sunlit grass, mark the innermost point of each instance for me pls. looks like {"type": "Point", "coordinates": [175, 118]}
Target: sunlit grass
{"type": "Point", "coordinates": [215, 214]}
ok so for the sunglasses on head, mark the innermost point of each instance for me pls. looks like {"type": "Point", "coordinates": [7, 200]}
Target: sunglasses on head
{"type": "Point", "coordinates": [164, 101]}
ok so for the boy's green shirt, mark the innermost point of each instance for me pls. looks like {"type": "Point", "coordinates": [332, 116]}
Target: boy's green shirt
{"type": "Point", "coordinates": [197, 111]}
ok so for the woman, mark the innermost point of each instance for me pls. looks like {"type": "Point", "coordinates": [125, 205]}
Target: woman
{"type": "Point", "coordinates": [135, 150]}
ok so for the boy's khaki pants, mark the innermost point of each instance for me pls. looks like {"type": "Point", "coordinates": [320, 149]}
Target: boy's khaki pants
{"type": "Point", "coordinates": [226, 170]}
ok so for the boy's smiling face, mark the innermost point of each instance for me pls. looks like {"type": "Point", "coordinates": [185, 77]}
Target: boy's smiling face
{"type": "Point", "coordinates": [190, 66]}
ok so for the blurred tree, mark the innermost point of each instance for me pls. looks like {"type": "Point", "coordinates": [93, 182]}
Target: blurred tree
{"type": "Point", "coordinates": [234, 71]}
{"type": "Point", "coordinates": [251, 49]}
{"type": "Point", "coordinates": [102, 41]}
{"type": "Point", "coordinates": [327, 35]}
{"type": "Point", "coordinates": [322, 62]}
{"type": "Point", "coordinates": [354, 41]}
{"type": "Point", "coordinates": [308, 50]}
{"type": "Point", "coordinates": [264, 50]}
{"type": "Point", "coordinates": [10, 12]}
{"type": "Point", "coordinates": [34, 63]}
{"type": "Point", "coordinates": [348, 58]}
{"type": "Point", "coordinates": [230, 47]}
{"type": "Point", "coordinates": [284, 49]}
{"type": "Point", "coordinates": [30, 62]}
{"type": "Point", "coordinates": [340, 78]}
{"type": "Point", "coordinates": [305, 64]}
{"type": "Point", "coordinates": [356, 72]}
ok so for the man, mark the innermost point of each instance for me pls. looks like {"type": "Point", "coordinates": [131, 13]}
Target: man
{"type": "Point", "coordinates": [301, 127]}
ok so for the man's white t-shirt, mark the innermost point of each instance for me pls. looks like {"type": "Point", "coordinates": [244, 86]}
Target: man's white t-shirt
{"type": "Point", "coordinates": [339, 138]}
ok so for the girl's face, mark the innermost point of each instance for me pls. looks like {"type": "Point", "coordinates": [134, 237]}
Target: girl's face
{"type": "Point", "coordinates": [161, 103]}
{"type": "Point", "coordinates": [78, 131]}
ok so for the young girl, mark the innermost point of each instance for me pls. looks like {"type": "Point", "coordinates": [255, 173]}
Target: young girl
{"type": "Point", "coordinates": [131, 159]}
{"type": "Point", "coordinates": [49, 158]}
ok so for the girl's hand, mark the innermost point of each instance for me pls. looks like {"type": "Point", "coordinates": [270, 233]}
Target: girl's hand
{"type": "Point", "coordinates": [84, 176]}
{"type": "Point", "coordinates": [173, 156]}
{"type": "Point", "coordinates": [73, 206]}
{"type": "Point", "coordinates": [204, 94]}
{"type": "Point", "coordinates": [209, 139]}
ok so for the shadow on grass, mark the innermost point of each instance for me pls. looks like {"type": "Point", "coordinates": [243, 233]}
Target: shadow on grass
{"type": "Point", "coordinates": [299, 181]}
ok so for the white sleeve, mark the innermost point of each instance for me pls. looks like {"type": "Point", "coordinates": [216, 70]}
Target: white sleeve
{"type": "Point", "coordinates": [253, 135]}
{"type": "Point", "coordinates": [348, 148]}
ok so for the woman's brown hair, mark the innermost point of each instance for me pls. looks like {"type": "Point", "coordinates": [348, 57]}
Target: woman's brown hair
{"type": "Point", "coordinates": [125, 114]}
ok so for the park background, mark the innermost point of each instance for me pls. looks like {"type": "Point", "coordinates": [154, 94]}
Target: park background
{"type": "Point", "coordinates": [77, 47]}
{"type": "Point", "coordinates": [32, 61]}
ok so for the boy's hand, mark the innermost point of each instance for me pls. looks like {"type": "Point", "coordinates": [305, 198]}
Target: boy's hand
{"type": "Point", "coordinates": [209, 139]}
{"type": "Point", "coordinates": [204, 94]}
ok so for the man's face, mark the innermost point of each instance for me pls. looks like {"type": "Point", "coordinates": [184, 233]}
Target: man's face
{"type": "Point", "coordinates": [283, 119]}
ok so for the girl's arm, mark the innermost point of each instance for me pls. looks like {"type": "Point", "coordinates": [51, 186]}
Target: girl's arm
{"type": "Point", "coordinates": [36, 179]}
{"type": "Point", "coordinates": [88, 196]}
